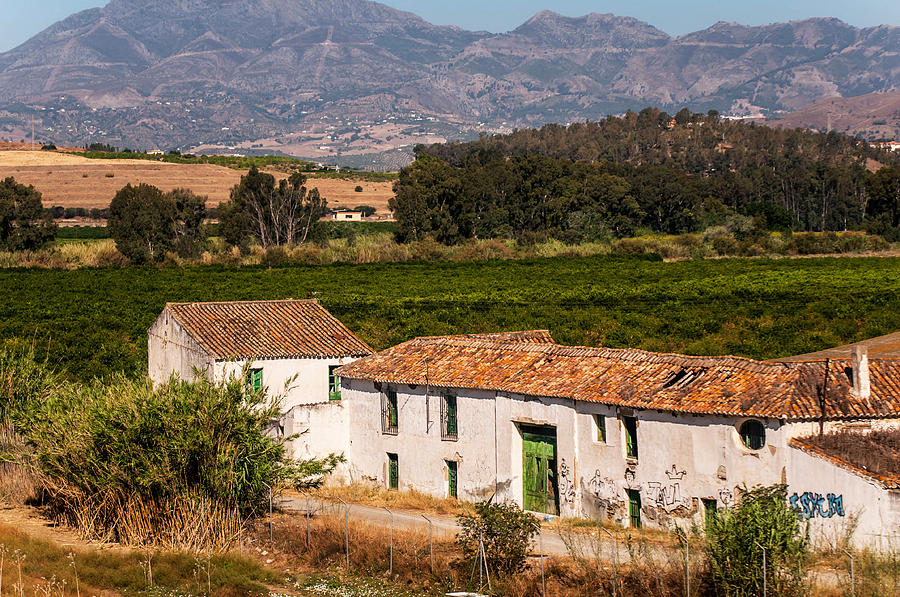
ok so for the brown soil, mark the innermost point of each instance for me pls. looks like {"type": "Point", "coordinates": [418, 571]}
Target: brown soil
{"type": "Point", "coordinates": [73, 181]}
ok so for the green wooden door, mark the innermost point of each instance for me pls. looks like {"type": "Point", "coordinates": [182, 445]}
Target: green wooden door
{"type": "Point", "coordinates": [634, 508]}
{"type": "Point", "coordinates": [451, 478]}
{"type": "Point", "coordinates": [393, 471]}
{"type": "Point", "coordinates": [539, 471]}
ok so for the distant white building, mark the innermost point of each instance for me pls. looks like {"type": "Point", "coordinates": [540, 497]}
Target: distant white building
{"type": "Point", "coordinates": [347, 216]}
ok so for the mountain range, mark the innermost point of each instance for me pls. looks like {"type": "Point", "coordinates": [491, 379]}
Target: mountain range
{"type": "Point", "coordinates": [328, 78]}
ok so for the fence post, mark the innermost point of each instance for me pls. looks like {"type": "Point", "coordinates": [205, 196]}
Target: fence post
{"type": "Point", "coordinates": [346, 529]}
{"type": "Point", "coordinates": [852, 574]}
{"type": "Point", "coordinates": [612, 544]}
{"type": "Point", "coordinates": [764, 566]}
{"type": "Point", "coordinates": [307, 517]}
{"type": "Point", "coordinates": [430, 541]}
{"type": "Point", "coordinates": [541, 549]}
{"type": "Point", "coordinates": [269, 487]}
{"type": "Point", "coordinates": [391, 566]}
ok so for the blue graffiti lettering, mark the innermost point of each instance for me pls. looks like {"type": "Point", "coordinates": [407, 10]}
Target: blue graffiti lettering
{"type": "Point", "coordinates": [809, 505]}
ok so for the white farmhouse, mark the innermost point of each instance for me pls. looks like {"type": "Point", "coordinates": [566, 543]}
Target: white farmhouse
{"type": "Point", "coordinates": [637, 437]}
{"type": "Point", "coordinates": [291, 347]}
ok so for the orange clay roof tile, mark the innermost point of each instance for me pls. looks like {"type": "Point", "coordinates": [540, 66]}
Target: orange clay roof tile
{"type": "Point", "coordinates": [267, 329]}
{"type": "Point", "coordinates": [634, 378]}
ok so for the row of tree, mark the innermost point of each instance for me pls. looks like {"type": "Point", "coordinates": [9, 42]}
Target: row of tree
{"type": "Point", "coordinates": [644, 172]}
{"type": "Point", "coordinates": [146, 223]}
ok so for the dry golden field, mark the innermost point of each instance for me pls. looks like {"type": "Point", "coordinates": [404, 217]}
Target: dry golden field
{"type": "Point", "coordinates": [74, 181]}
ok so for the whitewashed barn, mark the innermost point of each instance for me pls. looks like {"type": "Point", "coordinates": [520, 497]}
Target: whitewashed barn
{"type": "Point", "coordinates": [290, 347]}
{"type": "Point", "coordinates": [637, 437]}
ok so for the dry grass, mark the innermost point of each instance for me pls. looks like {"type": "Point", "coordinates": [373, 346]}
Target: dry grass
{"type": "Point", "coordinates": [367, 494]}
{"type": "Point", "coordinates": [75, 181]}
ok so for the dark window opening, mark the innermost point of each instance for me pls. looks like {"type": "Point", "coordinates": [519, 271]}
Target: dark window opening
{"type": "Point", "coordinates": [753, 434]}
{"type": "Point", "coordinates": [711, 511]}
{"type": "Point", "coordinates": [389, 415]}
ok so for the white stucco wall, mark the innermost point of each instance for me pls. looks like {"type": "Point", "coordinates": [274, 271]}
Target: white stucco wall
{"type": "Point", "coordinates": [323, 429]}
{"type": "Point", "coordinates": [172, 351]}
{"type": "Point", "coordinates": [682, 459]}
{"type": "Point", "coordinates": [300, 381]}
{"type": "Point", "coordinates": [836, 502]}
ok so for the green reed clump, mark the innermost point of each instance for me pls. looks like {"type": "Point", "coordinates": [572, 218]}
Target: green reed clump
{"type": "Point", "coordinates": [736, 539]}
{"type": "Point", "coordinates": [182, 464]}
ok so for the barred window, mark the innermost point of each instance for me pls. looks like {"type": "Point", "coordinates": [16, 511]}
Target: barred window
{"type": "Point", "coordinates": [449, 422]}
{"type": "Point", "coordinates": [389, 413]}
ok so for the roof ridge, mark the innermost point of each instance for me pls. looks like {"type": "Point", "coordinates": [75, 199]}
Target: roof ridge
{"type": "Point", "coordinates": [245, 302]}
{"type": "Point", "coordinates": [598, 350]}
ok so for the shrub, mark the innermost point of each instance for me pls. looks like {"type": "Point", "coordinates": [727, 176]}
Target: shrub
{"type": "Point", "coordinates": [179, 465]}
{"type": "Point", "coordinates": [505, 530]}
{"type": "Point", "coordinates": [358, 189]}
{"type": "Point", "coordinates": [763, 516]}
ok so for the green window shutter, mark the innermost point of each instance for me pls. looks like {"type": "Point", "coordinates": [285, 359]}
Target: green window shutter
{"type": "Point", "coordinates": [631, 444]}
{"type": "Point", "coordinates": [449, 422]}
{"type": "Point", "coordinates": [393, 471]}
{"type": "Point", "coordinates": [334, 383]}
{"type": "Point", "coordinates": [389, 414]}
{"type": "Point", "coordinates": [254, 380]}
{"type": "Point", "coordinates": [601, 428]}
{"type": "Point", "coordinates": [451, 479]}
{"type": "Point", "coordinates": [634, 508]}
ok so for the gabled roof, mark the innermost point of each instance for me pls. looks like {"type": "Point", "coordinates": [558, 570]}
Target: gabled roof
{"type": "Point", "coordinates": [870, 457]}
{"type": "Point", "coordinates": [887, 346]}
{"type": "Point", "coordinates": [267, 329]}
{"type": "Point", "coordinates": [634, 378]}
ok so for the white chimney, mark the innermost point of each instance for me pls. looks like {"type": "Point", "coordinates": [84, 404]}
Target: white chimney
{"type": "Point", "coordinates": [861, 388]}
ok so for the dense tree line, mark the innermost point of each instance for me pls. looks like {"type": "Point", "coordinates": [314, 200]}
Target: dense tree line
{"type": "Point", "coordinates": [645, 171]}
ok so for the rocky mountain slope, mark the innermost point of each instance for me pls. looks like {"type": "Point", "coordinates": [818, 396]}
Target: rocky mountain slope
{"type": "Point", "coordinates": [331, 77]}
{"type": "Point", "coordinates": [872, 116]}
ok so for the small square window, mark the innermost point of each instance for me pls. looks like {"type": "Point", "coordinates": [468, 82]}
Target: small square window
{"type": "Point", "coordinates": [600, 426]}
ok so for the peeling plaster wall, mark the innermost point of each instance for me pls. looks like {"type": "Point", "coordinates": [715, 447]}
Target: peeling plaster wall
{"type": "Point", "coordinates": [836, 502]}
{"type": "Point", "coordinates": [324, 430]}
{"type": "Point", "coordinates": [172, 351]}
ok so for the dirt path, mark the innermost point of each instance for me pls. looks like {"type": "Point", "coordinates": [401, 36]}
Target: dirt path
{"type": "Point", "coordinates": [444, 526]}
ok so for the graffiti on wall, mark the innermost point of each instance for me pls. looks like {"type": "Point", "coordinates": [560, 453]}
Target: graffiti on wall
{"type": "Point", "coordinates": [566, 483]}
{"type": "Point", "coordinates": [604, 489]}
{"type": "Point", "coordinates": [667, 494]}
{"type": "Point", "coordinates": [810, 504]}
{"type": "Point", "coordinates": [726, 497]}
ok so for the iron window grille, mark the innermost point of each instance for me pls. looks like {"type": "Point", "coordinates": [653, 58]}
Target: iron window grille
{"type": "Point", "coordinates": [449, 419]}
{"type": "Point", "coordinates": [389, 414]}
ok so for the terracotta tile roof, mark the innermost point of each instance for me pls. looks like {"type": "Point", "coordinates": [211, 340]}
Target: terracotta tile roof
{"type": "Point", "coordinates": [267, 329]}
{"type": "Point", "coordinates": [633, 378]}
{"type": "Point", "coordinates": [887, 346]}
{"type": "Point", "coordinates": [889, 479]}
{"type": "Point", "coordinates": [528, 337]}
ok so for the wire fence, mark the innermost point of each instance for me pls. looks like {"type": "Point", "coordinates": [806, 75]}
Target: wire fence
{"type": "Point", "coordinates": [411, 546]}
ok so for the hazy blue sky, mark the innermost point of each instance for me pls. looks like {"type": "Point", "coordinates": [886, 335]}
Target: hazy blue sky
{"type": "Point", "coordinates": [24, 18]}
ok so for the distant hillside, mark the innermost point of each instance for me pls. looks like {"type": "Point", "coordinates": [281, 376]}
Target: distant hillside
{"type": "Point", "coordinates": [871, 116]}
{"type": "Point", "coordinates": [327, 79]}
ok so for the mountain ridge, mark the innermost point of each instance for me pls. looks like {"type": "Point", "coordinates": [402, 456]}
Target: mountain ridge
{"type": "Point", "coordinates": [239, 73]}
